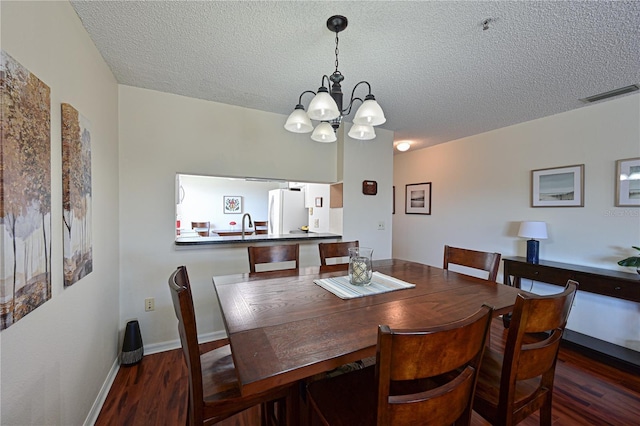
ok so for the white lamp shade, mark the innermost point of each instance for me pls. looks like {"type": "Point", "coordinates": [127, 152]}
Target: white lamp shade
{"type": "Point", "coordinates": [535, 230]}
{"type": "Point", "coordinates": [362, 132]}
{"type": "Point", "coordinates": [298, 122]}
{"type": "Point", "coordinates": [369, 114]}
{"type": "Point", "coordinates": [324, 133]}
{"type": "Point", "coordinates": [323, 107]}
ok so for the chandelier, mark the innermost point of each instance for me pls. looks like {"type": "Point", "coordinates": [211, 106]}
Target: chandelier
{"type": "Point", "coordinates": [326, 105]}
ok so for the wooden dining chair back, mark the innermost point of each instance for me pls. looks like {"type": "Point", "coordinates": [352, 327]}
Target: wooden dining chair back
{"type": "Point", "coordinates": [202, 228]}
{"type": "Point", "coordinates": [214, 392]}
{"type": "Point", "coordinates": [424, 376]}
{"type": "Point", "coordinates": [261, 227]}
{"type": "Point", "coordinates": [335, 250]}
{"type": "Point", "coordinates": [485, 261]}
{"type": "Point", "coordinates": [273, 254]}
{"type": "Point", "coordinates": [514, 384]}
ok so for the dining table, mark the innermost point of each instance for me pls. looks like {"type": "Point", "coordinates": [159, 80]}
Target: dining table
{"type": "Point", "coordinates": [284, 328]}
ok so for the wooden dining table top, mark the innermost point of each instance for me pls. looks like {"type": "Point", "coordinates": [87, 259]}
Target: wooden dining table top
{"type": "Point", "coordinates": [287, 328]}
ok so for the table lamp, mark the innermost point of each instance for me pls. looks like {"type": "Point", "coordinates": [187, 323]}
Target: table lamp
{"type": "Point", "coordinates": [533, 230]}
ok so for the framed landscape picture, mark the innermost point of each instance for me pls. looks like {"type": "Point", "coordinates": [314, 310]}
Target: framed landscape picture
{"type": "Point", "coordinates": [232, 204]}
{"type": "Point", "coordinates": [558, 187]}
{"type": "Point", "coordinates": [628, 182]}
{"type": "Point", "coordinates": [418, 198]}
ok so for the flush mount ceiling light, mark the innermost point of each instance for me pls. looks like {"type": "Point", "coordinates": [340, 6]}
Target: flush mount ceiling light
{"type": "Point", "coordinates": [403, 146]}
{"type": "Point", "coordinates": [326, 105]}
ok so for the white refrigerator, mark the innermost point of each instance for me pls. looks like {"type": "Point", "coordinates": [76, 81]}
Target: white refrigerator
{"type": "Point", "coordinates": [286, 211]}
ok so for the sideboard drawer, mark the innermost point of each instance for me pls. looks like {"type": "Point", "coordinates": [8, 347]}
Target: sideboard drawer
{"type": "Point", "coordinates": [608, 287]}
{"type": "Point", "coordinates": [535, 272]}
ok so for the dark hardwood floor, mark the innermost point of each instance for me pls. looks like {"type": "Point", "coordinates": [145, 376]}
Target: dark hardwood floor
{"type": "Point", "coordinates": [586, 392]}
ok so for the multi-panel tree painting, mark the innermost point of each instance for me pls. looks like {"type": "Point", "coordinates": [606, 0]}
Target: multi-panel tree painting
{"type": "Point", "coordinates": [76, 195]}
{"type": "Point", "coordinates": [25, 192]}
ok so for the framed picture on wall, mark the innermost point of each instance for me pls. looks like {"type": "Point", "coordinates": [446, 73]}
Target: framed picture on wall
{"type": "Point", "coordinates": [558, 187]}
{"type": "Point", "coordinates": [232, 204]}
{"type": "Point", "coordinates": [628, 182]}
{"type": "Point", "coordinates": [418, 198]}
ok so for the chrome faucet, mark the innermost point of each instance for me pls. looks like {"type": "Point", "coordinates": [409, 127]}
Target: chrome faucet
{"type": "Point", "coordinates": [250, 223]}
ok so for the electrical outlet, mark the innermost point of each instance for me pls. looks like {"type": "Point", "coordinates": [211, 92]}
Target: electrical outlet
{"type": "Point", "coordinates": [149, 304]}
{"type": "Point", "coordinates": [381, 225]}
{"type": "Point", "coordinates": [316, 223]}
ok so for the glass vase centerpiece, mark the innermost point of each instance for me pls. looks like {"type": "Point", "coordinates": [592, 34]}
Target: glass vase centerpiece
{"type": "Point", "coordinates": [360, 269]}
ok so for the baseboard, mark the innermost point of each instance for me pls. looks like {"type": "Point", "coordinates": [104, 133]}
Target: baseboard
{"type": "Point", "coordinates": [92, 417]}
{"type": "Point", "coordinates": [618, 356]}
{"type": "Point", "coordinates": [153, 348]}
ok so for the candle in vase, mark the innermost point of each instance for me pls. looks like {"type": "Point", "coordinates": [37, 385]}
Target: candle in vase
{"type": "Point", "coordinates": [359, 271]}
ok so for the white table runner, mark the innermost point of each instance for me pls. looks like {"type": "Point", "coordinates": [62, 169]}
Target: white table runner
{"type": "Point", "coordinates": [380, 283]}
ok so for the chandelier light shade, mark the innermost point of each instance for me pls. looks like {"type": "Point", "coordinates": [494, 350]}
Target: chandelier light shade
{"type": "Point", "coordinates": [369, 113]}
{"type": "Point", "coordinates": [322, 107]}
{"type": "Point", "coordinates": [298, 121]}
{"type": "Point", "coordinates": [326, 105]}
{"type": "Point", "coordinates": [362, 132]}
{"type": "Point", "coordinates": [324, 133]}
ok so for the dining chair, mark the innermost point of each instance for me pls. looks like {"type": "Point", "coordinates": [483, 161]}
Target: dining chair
{"type": "Point", "coordinates": [214, 392]}
{"type": "Point", "coordinates": [421, 376]}
{"type": "Point", "coordinates": [261, 227]}
{"type": "Point", "coordinates": [202, 228]}
{"type": "Point", "coordinates": [273, 254]}
{"type": "Point", "coordinates": [514, 384]}
{"type": "Point", "coordinates": [485, 261]}
{"type": "Point", "coordinates": [335, 250]}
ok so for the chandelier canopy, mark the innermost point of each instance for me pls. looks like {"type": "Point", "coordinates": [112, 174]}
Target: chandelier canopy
{"type": "Point", "coordinates": [326, 105]}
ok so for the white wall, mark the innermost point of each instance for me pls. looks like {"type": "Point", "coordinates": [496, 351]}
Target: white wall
{"type": "Point", "coordinates": [55, 359]}
{"type": "Point", "coordinates": [481, 191]}
{"type": "Point", "coordinates": [373, 161]}
{"type": "Point", "coordinates": [163, 134]}
{"type": "Point", "coordinates": [320, 214]}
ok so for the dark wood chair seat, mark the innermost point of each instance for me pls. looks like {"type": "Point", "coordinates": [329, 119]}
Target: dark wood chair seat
{"type": "Point", "coordinates": [514, 384]}
{"type": "Point", "coordinates": [214, 392]}
{"type": "Point", "coordinates": [485, 261]}
{"type": "Point", "coordinates": [422, 376]}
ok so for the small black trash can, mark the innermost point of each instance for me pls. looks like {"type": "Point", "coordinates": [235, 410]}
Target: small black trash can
{"type": "Point", "coordinates": [132, 349]}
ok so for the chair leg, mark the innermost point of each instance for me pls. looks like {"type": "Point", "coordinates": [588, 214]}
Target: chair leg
{"type": "Point", "coordinates": [266, 409]}
{"type": "Point", "coordinates": [545, 411]}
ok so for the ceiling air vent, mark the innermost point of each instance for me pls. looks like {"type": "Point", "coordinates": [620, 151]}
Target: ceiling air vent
{"type": "Point", "coordinates": [611, 93]}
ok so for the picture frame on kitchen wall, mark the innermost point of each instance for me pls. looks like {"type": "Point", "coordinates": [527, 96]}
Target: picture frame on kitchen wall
{"type": "Point", "coordinates": [628, 182]}
{"type": "Point", "coordinates": [232, 204]}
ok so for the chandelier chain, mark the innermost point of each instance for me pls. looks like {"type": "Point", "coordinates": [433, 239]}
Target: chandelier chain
{"type": "Point", "coordinates": [337, 51]}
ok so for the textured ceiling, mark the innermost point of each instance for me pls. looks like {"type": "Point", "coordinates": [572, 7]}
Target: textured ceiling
{"type": "Point", "coordinates": [435, 72]}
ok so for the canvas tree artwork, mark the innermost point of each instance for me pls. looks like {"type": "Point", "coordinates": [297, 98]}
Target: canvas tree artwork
{"type": "Point", "coordinates": [76, 195]}
{"type": "Point", "coordinates": [25, 192]}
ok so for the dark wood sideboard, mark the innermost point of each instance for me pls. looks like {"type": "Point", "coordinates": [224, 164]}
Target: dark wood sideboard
{"type": "Point", "coordinates": [620, 285]}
